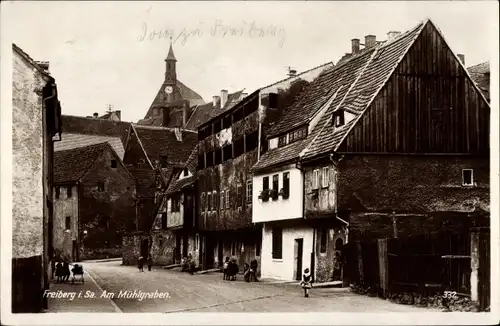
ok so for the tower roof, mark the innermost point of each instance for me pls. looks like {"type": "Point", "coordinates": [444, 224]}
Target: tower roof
{"type": "Point", "coordinates": [170, 55]}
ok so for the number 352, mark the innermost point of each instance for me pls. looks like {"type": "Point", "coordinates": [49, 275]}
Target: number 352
{"type": "Point", "coordinates": [450, 294]}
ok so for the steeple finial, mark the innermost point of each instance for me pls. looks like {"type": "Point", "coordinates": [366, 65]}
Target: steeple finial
{"type": "Point", "coordinates": [170, 55]}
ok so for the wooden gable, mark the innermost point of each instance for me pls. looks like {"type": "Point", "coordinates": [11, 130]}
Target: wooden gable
{"type": "Point", "coordinates": [428, 105]}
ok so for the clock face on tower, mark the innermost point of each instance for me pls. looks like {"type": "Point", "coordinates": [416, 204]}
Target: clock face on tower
{"type": "Point", "coordinates": [169, 89]}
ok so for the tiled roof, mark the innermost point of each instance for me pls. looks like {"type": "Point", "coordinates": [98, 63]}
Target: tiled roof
{"type": "Point", "coordinates": [71, 165]}
{"type": "Point", "coordinates": [94, 126]}
{"type": "Point", "coordinates": [380, 67]}
{"type": "Point", "coordinates": [320, 91]}
{"type": "Point", "coordinates": [233, 100]}
{"type": "Point", "coordinates": [158, 141]}
{"type": "Point", "coordinates": [280, 155]}
{"type": "Point", "coordinates": [70, 141]}
{"type": "Point", "coordinates": [200, 115]}
{"type": "Point", "coordinates": [175, 185]}
{"type": "Point", "coordinates": [480, 74]}
{"type": "Point", "coordinates": [350, 85]}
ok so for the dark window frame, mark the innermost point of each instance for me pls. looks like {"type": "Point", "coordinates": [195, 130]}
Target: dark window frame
{"type": "Point", "coordinates": [282, 141]}
{"type": "Point", "coordinates": [114, 164]}
{"type": "Point", "coordinates": [67, 223]}
{"type": "Point", "coordinates": [276, 184]}
{"type": "Point", "coordinates": [323, 240]}
{"type": "Point", "coordinates": [286, 185]}
{"type": "Point", "coordinates": [467, 175]}
{"type": "Point", "coordinates": [164, 220]}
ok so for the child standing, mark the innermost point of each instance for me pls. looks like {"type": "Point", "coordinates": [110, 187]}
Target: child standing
{"type": "Point", "coordinates": [225, 270]}
{"type": "Point", "coordinates": [306, 282]}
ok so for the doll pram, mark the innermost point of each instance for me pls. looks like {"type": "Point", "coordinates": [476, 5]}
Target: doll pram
{"type": "Point", "coordinates": [77, 274]}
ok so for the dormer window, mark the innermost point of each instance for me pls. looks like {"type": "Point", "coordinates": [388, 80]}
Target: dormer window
{"type": "Point", "coordinates": [282, 141]}
{"type": "Point", "coordinates": [273, 100]}
{"type": "Point", "coordinates": [338, 118]}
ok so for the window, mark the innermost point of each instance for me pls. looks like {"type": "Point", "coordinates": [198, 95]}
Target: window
{"type": "Point", "coordinates": [277, 243]}
{"type": "Point", "coordinates": [286, 185]}
{"type": "Point", "coordinates": [251, 141]}
{"type": "Point", "coordinates": [69, 191]}
{"type": "Point", "coordinates": [214, 200]}
{"type": "Point", "coordinates": [209, 201]}
{"type": "Point", "coordinates": [282, 141]}
{"type": "Point", "coordinates": [237, 115]}
{"type": "Point", "coordinates": [201, 161]}
{"type": "Point", "coordinates": [257, 249]}
{"type": "Point", "coordinates": [160, 241]}
{"type": "Point", "coordinates": [323, 237]}
{"type": "Point", "coordinates": [58, 191]}
{"type": "Point", "coordinates": [275, 186]}
{"type": "Point", "coordinates": [222, 198]}
{"type": "Point", "coordinates": [164, 220]}
{"type": "Point", "coordinates": [239, 195]}
{"type": "Point", "coordinates": [338, 118]}
{"type": "Point", "coordinates": [218, 156]}
{"type": "Point", "coordinates": [239, 147]}
{"type": "Point", "coordinates": [100, 186]}
{"type": "Point", "coordinates": [68, 222]}
{"type": "Point", "coordinates": [315, 180]}
{"type": "Point", "coordinates": [203, 202]}
{"type": "Point", "coordinates": [186, 172]}
{"type": "Point", "coordinates": [209, 159]}
{"type": "Point", "coordinates": [227, 199]}
{"type": "Point", "coordinates": [324, 177]}
{"type": "Point", "coordinates": [467, 177]}
{"type": "Point", "coordinates": [217, 126]}
{"type": "Point", "coordinates": [249, 191]}
{"type": "Point", "coordinates": [176, 205]}
{"type": "Point", "coordinates": [226, 122]}
{"type": "Point", "coordinates": [227, 152]}
{"type": "Point", "coordinates": [113, 164]}
{"type": "Point", "coordinates": [265, 188]}
{"type": "Point", "coordinates": [273, 100]}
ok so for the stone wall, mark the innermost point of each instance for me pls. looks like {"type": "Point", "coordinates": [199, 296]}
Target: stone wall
{"type": "Point", "coordinates": [131, 249]}
{"type": "Point", "coordinates": [162, 247]}
{"type": "Point", "coordinates": [327, 263]}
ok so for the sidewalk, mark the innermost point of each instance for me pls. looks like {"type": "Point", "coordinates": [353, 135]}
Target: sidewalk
{"type": "Point", "coordinates": [79, 297]}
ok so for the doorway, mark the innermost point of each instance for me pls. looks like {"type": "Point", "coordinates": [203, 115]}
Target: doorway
{"type": "Point", "coordinates": [185, 244]}
{"type": "Point", "coordinates": [220, 253]}
{"type": "Point", "coordinates": [298, 249]}
{"type": "Point", "coordinates": [144, 248]}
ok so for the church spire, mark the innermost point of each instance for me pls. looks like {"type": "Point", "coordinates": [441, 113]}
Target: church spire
{"type": "Point", "coordinates": [170, 55]}
{"type": "Point", "coordinates": [170, 71]}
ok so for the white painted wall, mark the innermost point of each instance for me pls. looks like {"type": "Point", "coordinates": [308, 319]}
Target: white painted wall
{"type": "Point", "coordinates": [284, 269]}
{"type": "Point", "coordinates": [281, 209]}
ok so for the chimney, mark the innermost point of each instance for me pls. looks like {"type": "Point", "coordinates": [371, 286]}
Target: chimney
{"type": "Point", "coordinates": [119, 114]}
{"type": "Point", "coordinates": [95, 114]}
{"type": "Point", "coordinates": [216, 100]}
{"type": "Point", "coordinates": [223, 97]}
{"type": "Point", "coordinates": [392, 34]}
{"type": "Point", "coordinates": [370, 41]}
{"type": "Point", "coordinates": [291, 72]}
{"type": "Point", "coordinates": [462, 58]}
{"type": "Point", "coordinates": [355, 45]}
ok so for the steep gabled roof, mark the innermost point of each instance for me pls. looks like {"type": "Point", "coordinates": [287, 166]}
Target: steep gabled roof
{"type": "Point", "coordinates": [158, 141]}
{"type": "Point", "coordinates": [480, 74]}
{"type": "Point", "coordinates": [71, 165]}
{"type": "Point", "coordinates": [382, 64]}
{"type": "Point", "coordinates": [176, 184]}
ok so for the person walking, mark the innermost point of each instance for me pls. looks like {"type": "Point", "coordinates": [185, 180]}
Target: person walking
{"type": "Point", "coordinates": [306, 282]}
{"type": "Point", "coordinates": [140, 264]}
{"type": "Point", "coordinates": [150, 262]}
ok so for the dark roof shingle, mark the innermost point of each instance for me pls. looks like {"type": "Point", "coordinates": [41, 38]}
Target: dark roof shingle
{"type": "Point", "coordinates": [94, 126]}
{"type": "Point", "coordinates": [480, 74]}
{"type": "Point", "coordinates": [71, 165]}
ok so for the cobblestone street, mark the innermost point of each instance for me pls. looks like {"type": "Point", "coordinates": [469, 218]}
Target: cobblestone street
{"type": "Point", "coordinates": [208, 293]}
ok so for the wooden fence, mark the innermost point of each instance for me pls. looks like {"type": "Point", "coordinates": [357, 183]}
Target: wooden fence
{"type": "Point", "coordinates": [424, 264]}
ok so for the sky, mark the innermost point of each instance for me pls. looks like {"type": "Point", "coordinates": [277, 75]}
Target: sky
{"type": "Point", "coordinates": [112, 53]}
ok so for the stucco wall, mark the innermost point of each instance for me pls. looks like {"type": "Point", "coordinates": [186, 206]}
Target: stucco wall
{"type": "Point", "coordinates": [284, 268]}
{"type": "Point", "coordinates": [281, 209]}
{"type": "Point", "coordinates": [64, 206]}
{"type": "Point", "coordinates": [27, 160]}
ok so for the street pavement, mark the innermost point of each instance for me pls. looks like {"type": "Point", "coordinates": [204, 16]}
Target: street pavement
{"type": "Point", "coordinates": [205, 293]}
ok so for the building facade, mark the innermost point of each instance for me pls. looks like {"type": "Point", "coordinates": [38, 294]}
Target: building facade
{"type": "Point", "coordinates": [36, 119]}
{"type": "Point", "coordinates": [229, 145]}
{"type": "Point", "coordinates": [94, 203]}
{"type": "Point", "coordinates": [380, 153]}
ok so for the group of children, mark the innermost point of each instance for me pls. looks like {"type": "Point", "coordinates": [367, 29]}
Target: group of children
{"type": "Point", "coordinates": [229, 269]}
{"type": "Point", "coordinates": [62, 272]}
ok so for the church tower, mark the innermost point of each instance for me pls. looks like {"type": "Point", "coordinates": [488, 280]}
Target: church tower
{"type": "Point", "coordinates": [170, 71]}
